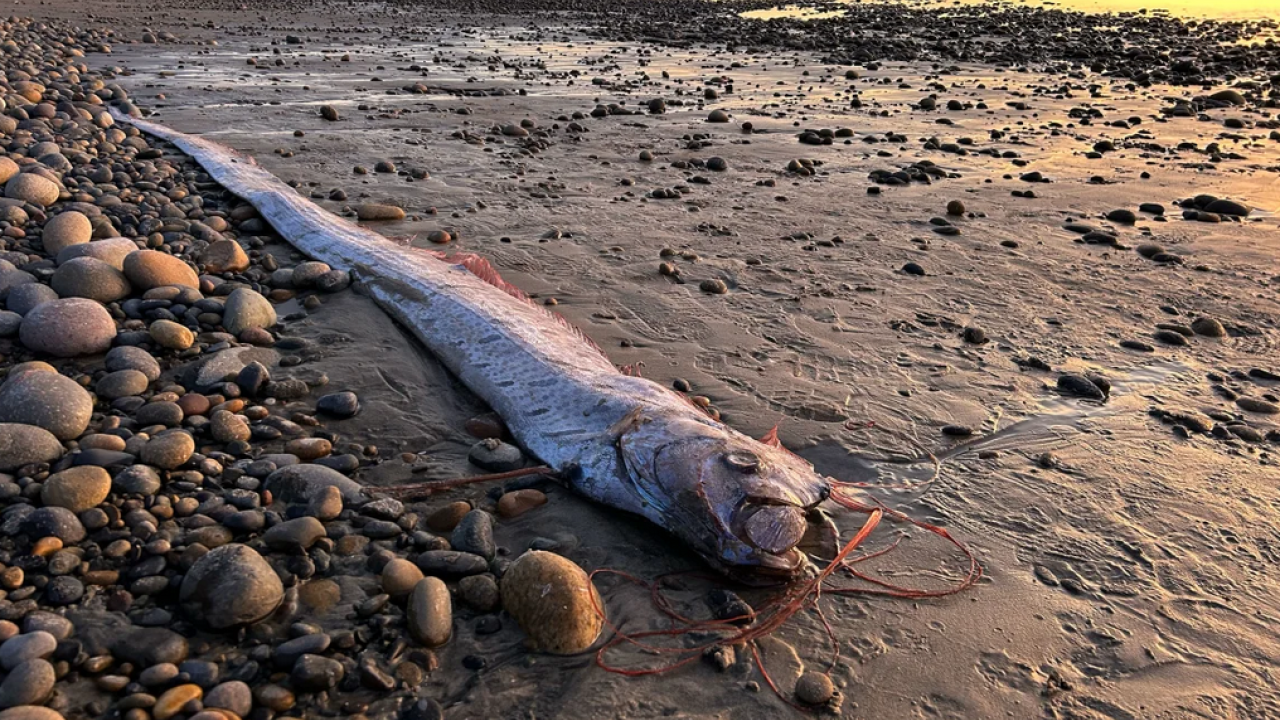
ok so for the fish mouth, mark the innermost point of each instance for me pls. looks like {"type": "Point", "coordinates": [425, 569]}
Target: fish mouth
{"type": "Point", "coordinates": [774, 570]}
{"type": "Point", "coordinates": [819, 542]}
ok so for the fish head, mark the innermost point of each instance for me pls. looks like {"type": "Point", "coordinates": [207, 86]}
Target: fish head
{"type": "Point", "coordinates": [742, 504]}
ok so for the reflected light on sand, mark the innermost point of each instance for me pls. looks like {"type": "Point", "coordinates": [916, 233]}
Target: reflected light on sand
{"type": "Point", "coordinates": [1230, 9]}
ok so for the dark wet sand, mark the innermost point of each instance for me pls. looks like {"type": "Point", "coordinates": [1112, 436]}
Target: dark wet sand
{"type": "Point", "coordinates": [1133, 579]}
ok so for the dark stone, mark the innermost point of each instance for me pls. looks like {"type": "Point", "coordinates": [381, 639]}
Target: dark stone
{"type": "Point", "coordinates": [145, 647]}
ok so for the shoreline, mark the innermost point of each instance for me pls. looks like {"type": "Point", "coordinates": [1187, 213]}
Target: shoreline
{"type": "Point", "coordinates": [1125, 541]}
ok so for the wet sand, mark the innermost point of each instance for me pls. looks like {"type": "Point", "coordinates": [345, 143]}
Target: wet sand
{"type": "Point", "coordinates": [1128, 576]}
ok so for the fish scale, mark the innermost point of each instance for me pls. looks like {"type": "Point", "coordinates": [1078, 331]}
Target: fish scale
{"type": "Point", "coordinates": [623, 441]}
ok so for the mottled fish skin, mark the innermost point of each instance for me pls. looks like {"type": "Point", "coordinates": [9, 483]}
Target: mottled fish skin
{"type": "Point", "coordinates": [623, 441]}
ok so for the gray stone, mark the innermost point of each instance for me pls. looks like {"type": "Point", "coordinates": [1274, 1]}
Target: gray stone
{"type": "Point", "coordinates": [54, 522]}
{"type": "Point", "coordinates": [90, 278]}
{"type": "Point", "coordinates": [225, 365]}
{"type": "Point", "coordinates": [312, 673]}
{"type": "Point", "coordinates": [30, 683]}
{"type": "Point", "coordinates": [230, 586]}
{"type": "Point", "coordinates": [474, 534]}
{"type": "Point", "coordinates": [10, 323]}
{"type": "Point", "coordinates": [294, 535]}
{"type": "Point", "coordinates": [133, 358]}
{"type": "Point", "coordinates": [169, 450]}
{"type": "Point", "coordinates": [232, 695]}
{"type": "Point", "coordinates": [25, 444]}
{"type": "Point", "coordinates": [145, 647]}
{"type": "Point", "coordinates": [68, 327]}
{"type": "Point", "coordinates": [246, 309]}
{"type": "Point", "coordinates": [46, 400]}
{"type": "Point", "coordinates": [111, 251]}
{"type": "Point", "coordinates": [25, 298]}
{"type": "Point", "coordinates": [299, 483]}
{"type": "Point", "coordinates": [11, 277]}
{"type": "Point", "coordinates": [137, 480]}
{"type": "Point", "coordinates": [29, 646]}
{"type": "Point", "coordinates": [287, 653]}
{"type": "Point", "coordinates": [121, 383]}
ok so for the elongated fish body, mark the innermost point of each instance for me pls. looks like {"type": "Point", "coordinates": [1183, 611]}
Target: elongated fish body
{"type": "Point", "coordinates": [623, 441]}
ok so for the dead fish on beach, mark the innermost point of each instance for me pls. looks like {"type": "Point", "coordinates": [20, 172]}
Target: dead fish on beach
{"type": "Point", "coordinates": [624, 441]}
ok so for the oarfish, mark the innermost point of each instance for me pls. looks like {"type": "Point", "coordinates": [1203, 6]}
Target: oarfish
{"type": "Point", "coordinates": [618, 439]}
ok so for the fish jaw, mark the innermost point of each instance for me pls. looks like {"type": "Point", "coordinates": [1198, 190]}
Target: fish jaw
{"type": "Point", "coordinates": [741, 504]}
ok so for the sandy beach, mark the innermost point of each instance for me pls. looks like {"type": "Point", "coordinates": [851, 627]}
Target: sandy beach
{"type": "Point", "coordinates": [902, 237]}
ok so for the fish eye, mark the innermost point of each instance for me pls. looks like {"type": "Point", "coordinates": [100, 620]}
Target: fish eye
{"type": "Point", "coordinates": [742, 461]}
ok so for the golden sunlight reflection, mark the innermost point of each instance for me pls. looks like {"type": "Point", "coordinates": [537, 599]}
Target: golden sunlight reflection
{"type": "Point", "coordinates": [1227, 9]}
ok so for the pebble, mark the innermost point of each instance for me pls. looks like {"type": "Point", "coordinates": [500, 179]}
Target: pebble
{"type": "Point", "coordinates": [299, 483]}
{"type": "Point", "coordinates": [246, 309]}
{"type": "Point", "coordinates": [121, 383]}
{"type": "Point", "coordinates": [169, 450]}
{"type": "Point", "coordinates": [25, 298]}
{"type": "Point", "coordinates": [68, 327]}
{"type": "Point", "coordinates": [814, 688]}
{"type": "Point", "coordinates": [518, 502]}
{"type": "Point", "coordinates": [171, 335]}
{"type": "Point", "coordinates": [111, 251]}
{"type": "Point", "coordinates": [294, 535]}
{"type": "Point", "coordinates": [1208, 327]}
{"type": "Point", "coordinates": [87, 277]}
{"type": "Point", "coordinates": [232, 695]}
{"type": "Point", "coordinates": [223, 256]}
{"type": "Point", "coordinates": [147, 646]}
{"type": "Point", "coordinates": [230, 586]}
{"type": "Point", "coordinates": [174, 699]}
{"type": "Point", "coordinates": [1257, 405]}
{"type": "Point", "coordinates": [429, 612]}
{"type": "Point", "coordinates": [325, 505]}
{"type": "Point", "coordinates": [30, 683]}
{"type": "Point", "coordinates": [54, 522]}
{"type": "Point", "coordinates": [1080, 386]}
{"type": "Point", "coordinates": [447, 518]}
{"type": "Point", "coordinates": [376, 212]}
{"type": "Point", "coordinates": [495, 456]}
{"type": "Point", "coordinates": [148, 269]}
{"type": "Point", "coordinates": [451, 563]}
{"type": "Point", "coordinates": [32, 188]}
{"type": "Point", "coordinates": [30, 712]}
{"type": "Point", "coordinates": [133, 358]}
{"type": "Point", "coordinates": [64, 230]}
{"type": "Point", "coordinates": [480, 592]}
{"type": "Point", "coordinates": [339, 404]}
{"type": "Point", "coordinates": [46, 400]}
{"type": "Point", "coordinates": [554, 602]}
{"type": "Point", "coordinates": [313, 673]}
{"type": "Point", "coordinates": [76, 489]}
{"type": "Point", "coordinates": [30, 646]}
{"type": "Point", "coordinates": [474, 534]}
{"type": "Point", "coordinates": [400, 577]}
{"type": "Point", "coordinates": [26, 444]}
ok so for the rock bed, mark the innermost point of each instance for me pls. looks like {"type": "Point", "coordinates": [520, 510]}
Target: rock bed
{"type": "Point", "coordinates": [170, 493]}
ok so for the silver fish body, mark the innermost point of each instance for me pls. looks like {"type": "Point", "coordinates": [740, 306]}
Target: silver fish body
{"type": "Point", "coordinates": [623, 441]}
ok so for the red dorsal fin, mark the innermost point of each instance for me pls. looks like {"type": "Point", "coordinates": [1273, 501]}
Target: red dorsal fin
{"type": "Point", "coordinates": [482, 269]}
{"type": "Point", "coordinates": [771, 438]}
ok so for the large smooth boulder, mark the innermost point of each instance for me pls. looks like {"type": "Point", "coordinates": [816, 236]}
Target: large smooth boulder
{"type": "Point", "coordinates": [47, 400]}
{"type": "Point", "coordinates": [230, 586]}
{"type": "Point", "coordinates": [68, 327]}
